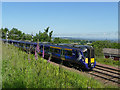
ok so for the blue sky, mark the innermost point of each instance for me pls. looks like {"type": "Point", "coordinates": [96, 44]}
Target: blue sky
{"type": "Point", "coordinates": [79, 19]}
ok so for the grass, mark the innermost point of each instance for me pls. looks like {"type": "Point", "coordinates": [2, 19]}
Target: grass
{"type": "Point", "coordinates": [19, 72]}
{"type": "Point", "coordinates": [108, 61]}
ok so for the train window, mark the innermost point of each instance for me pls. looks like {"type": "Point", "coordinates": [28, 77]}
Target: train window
{"type": "Point", "coordinates": [57, 51]}
{"type": "Point", "coordinates": [69, 53]}
{"type": "Point", "coordinates": [46, 48]}
{"type": "Point", "coordinates": [21, 44]}
{"type": "Point", "coordinates": [41, 47]}
{"type": "Point", "coordinates": [27, 45]}
{"type": "Point", "coordinates": [62, 52]}
{"type": "Point", "coordinates": [51, 50]}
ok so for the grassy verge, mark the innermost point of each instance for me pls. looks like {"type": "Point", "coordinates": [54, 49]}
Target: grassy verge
{"type": "Point", "coordinates": [108, 61]}
{"type": "Point", "coordinates": [19, 72]}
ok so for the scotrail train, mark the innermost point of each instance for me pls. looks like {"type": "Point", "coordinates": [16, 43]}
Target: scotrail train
{"type": "Point", "coordinates": [81, 55]}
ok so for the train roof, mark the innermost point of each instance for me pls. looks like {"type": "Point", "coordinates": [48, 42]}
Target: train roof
{"type": "Point", "coordinates": [81, 47]}
{"type": "Point", "coordinates": [61, 45]}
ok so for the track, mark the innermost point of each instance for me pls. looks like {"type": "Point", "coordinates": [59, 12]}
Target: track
{"type": "Point", "coordinates": [106, 73]}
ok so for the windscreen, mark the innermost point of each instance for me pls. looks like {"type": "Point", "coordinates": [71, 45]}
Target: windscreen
{"type": "Point", "coordinates": [85, 53]}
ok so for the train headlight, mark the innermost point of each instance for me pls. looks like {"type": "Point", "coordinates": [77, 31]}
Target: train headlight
{"type": "Point", "coordinates": [92, 60]}
{"type": "Point", "coordinates": [86, 60]}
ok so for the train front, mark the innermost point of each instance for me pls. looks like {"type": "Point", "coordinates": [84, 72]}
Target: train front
{"type": "Point", "coordinates": [88, 58]}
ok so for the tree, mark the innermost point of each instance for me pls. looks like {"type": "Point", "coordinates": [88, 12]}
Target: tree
{"type": "Point", "coordinates": [99, 45]}
{"type": "Point", "coordinates": [15, 34]}
{"type": "Point", "coordinates": [46, 30]}
{"type": "Point", "coordinates": [50, 36]}
{"type": "Point", "coordinates": [44, 37]}
{"type": "Point", "coordinates": [59, 40]}
{"type": "Point", "coordinates": [3, 32]}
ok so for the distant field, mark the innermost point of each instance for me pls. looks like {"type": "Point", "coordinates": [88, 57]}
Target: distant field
{"type": "Point", "coordinates": [20, 72]}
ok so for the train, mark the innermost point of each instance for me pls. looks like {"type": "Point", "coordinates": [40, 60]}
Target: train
{"type": "Point", "coordinates": [82, 55]}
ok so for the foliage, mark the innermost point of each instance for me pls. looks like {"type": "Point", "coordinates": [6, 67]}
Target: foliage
{"type": "Point", "coordinates": [43, 37]}
{"type": "Point", "coordinates": [99, 45]}
{"type": "Point", "coordinates": [108, 61]}
{"type": "Point", "coordinates": [99, 56]}
{"type": "Point", "coordinates": [26, 37]}
{"type": "Point", "coordinates": [16, 34]}
{"type": "Point", "coordinates": [60, 40]}
{"type": "Point", "coordinates": [3, 32]}
{"type": "Point", "coordinates": [19, 72]}
{"type": "Point", "coordinates": [80, 42]}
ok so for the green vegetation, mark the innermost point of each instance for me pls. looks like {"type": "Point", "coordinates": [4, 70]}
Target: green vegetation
{"type": "Point", "coordinates": [98, 46]}
{"type": "Point", "coordinates": [60, 40]}
{"type": "Point", "coordinates": [20, 72]}
{"type": "Point", "coordinates": [16, 34]}
{"type": "Point", "coordinates": [108, 61]}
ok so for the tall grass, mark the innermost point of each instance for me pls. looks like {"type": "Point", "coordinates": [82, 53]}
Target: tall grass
{"type": "Point", "coordinates": [20, 72]}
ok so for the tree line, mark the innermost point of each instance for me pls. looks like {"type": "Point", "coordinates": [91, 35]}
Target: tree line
{"type": "Point", "coordinates": [16, 34]}
{"type": "Point", "coordinates": [99, 45]}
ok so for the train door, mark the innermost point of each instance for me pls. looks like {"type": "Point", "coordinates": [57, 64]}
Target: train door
{"type": "Point", "coordinates": [89, 57]}
{"type": "Point", "coordinates": [62, 54]}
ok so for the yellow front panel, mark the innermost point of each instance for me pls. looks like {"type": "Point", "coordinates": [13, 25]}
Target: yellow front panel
{"type": "Point", "coordinates": [86, 60]}
{"type": "Point", "coordinates": [92, 60]}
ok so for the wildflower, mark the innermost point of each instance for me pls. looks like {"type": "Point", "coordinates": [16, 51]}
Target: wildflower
{"type": "Point", "coordinates": [43, 52]}
{"type": "Point", "coordinates": [38, 50]}
{"type": "Point", "coordinates": [36, 54]}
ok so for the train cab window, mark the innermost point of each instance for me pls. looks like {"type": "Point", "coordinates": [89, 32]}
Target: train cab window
{"type": "Point", "coordinates": [85, 53]}
{"type": "Point", "coordinates": [69, 53]}
{"type": "Point", "coordinates": [57, 51]}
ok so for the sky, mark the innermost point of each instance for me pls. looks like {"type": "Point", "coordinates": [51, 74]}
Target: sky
{"type": "Point", "coordinates": [66, 19]}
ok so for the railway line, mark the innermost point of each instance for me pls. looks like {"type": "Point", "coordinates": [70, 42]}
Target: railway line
{"type": "Point", "coordinates": [106, 73]}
